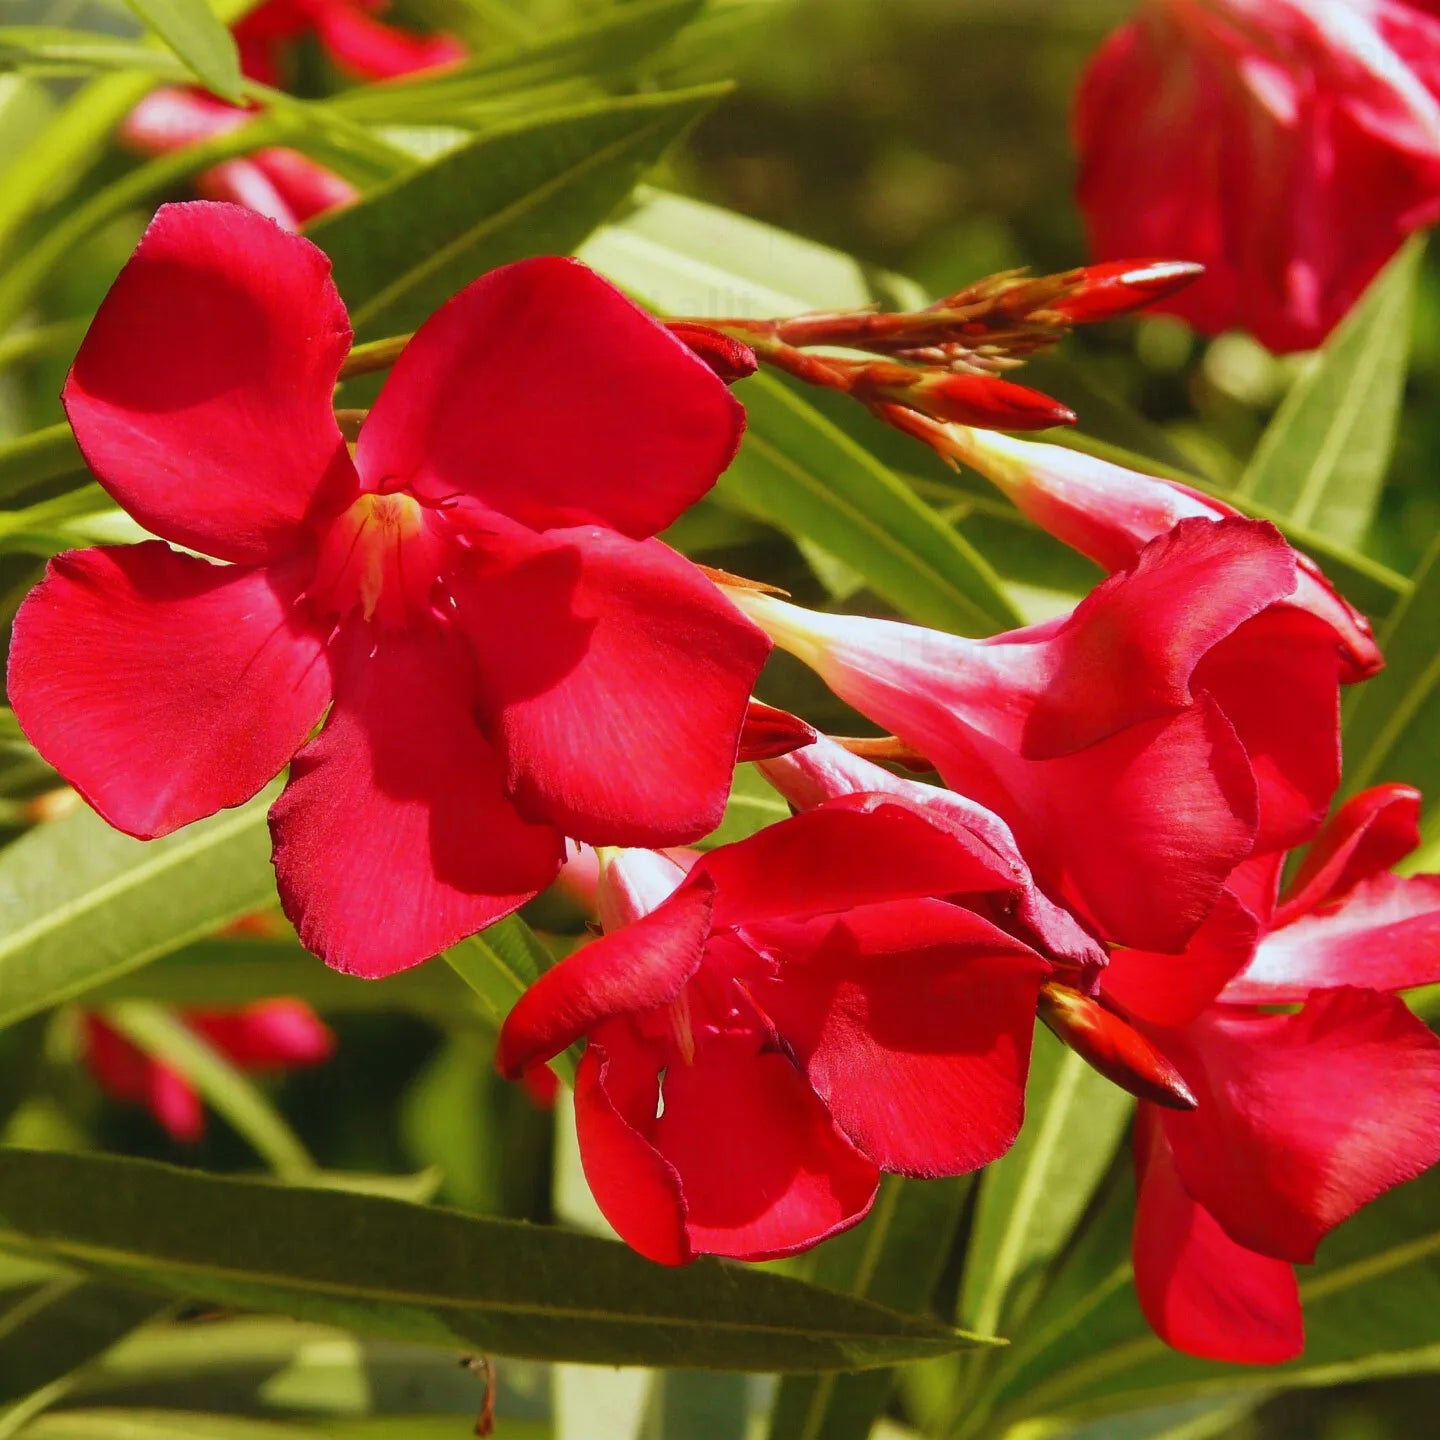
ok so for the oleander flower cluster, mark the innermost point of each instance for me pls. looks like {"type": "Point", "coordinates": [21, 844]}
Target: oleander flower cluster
{"type": "Point", "coordinates": [456, 629]}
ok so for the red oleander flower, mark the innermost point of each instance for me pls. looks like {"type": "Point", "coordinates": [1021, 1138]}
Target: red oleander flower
{"type": "Point", "coordinates": [1140, 747]}
{"type": "Point", "coordinates": [505, 654]}
{"type": "Point", "coordinates": [1110, 514]}
{"type": "Point", "coordinates": [1288, 145]}
{"type": "Point", "coordinates": [347, 32]}
{"type": "Point", "coordinates": [1302, 1117]}
{"type": "Point", "coordinates": [282, 184]}
{"type": "Point", "coordinates": [268, 1037]}
{"type": "Point", "coordinates": [769, 1032]}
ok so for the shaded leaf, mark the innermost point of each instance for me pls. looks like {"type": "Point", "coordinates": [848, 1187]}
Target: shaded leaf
{"type": "Point", "coordinates": [409, 1272]}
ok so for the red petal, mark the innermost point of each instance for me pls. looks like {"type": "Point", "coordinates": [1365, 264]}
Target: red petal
{"type": "Point", "coordinates": [175, 1104]}
{"type": "Point", "coordinates": [1277, 680]}
{"type": "Point", "coordinates": [201, 396]}
{"type": "Point", "coordinates": [543, 392]}
{"type": "Point", "coordinates": [637, 968]}
{"type": "Point", "coordinates": [268, 1035]}
{"type": "Point", "coordinates": [1385, 935]}
{"type": "Point", "coordinates": [373, 50]}
{"type": "Point", "coordinates": [243, 182]}
{"type": "Point", "coordinates": [171, 119]}
{"type": "Point", "coordinates": [617, 1090]}
{"type": "Point", "coordinates": [1304, 1118]}
{"type": "Point", "coordinates": [394, 838]}
{"type": "Point", "coordinates": [763, 1170]}
{"type": "Point", "coordinates": [614, 679]}
{"type": "Point", "coordinates": [913, 1021]}
{"type": "Point", "coordinates": [1171, 990]}
{"type": "Point", "coordinates": [1368, 834]}
{"type": "Point", "coordinates": [855, 850]}
{"type": "Point", "coordinates": [162, 687]}
{"type": "Point", "coordinates": [1201, 1292]}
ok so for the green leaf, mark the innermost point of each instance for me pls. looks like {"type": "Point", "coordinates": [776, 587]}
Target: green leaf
{"type": "Point", "coordinates": [895, 1257]}
{"type": "Point", "coordinates": [1033, 1197]}
{"type": "Point", "coordinates": [226, 1089]}
{"type": "Point", "coordinates": [806, 476]}
{"type": "Point", "coordinates": [81, 903]}
{"type": "Point", "coordinates": [192, 31]}
{"type": "Point", "coordinates": [1369, 1302]}
{"type": "Point", "coordinates": [43, 455]}
{"type": "Point", "coordinates": [52, 49]}
{"type": "Point", "coordinates": [533, 188]}
{"type": "Point", "coordinates": [410, 1272]}
{"type": "Point", "coordinates": [1322, 460]}
{"type": "Point", "coordinates": [54, 1329]}
{"type": "Point", "coordinates": [1389, 722]}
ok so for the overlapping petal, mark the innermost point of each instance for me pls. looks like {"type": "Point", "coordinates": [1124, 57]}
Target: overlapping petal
{"type": "Point", "coordinates": [615, 685]}
{"type": "Point", "coordinates": [544, 393]}
{"type": "Point", "coordinates": [201, 394]}
{"type": "Point", "coordinates": [1201, 1291]}
{"type": "Point", "coordinates": [912, 1021]}
{"type": "Point", "coordinates": [394, 837]}
{"type": "Point", "coordinates": [1303, 1118]}
{"type": "Point", "coordinates": [163, 687]}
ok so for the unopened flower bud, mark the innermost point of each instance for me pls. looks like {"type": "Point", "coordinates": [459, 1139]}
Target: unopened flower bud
{"type": "Point", "coordinates": [1119, 286]}
{"type": "Point", "coordinates": [769, 732]}
{"type": "Point", "coordinates": [982, 400]}
{"type": "Point", "coordinates": [1110, 1045]}
{"type": "Point", "coordinates": [729, 359]}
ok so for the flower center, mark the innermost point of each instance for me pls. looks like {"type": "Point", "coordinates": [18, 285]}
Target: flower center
{"type": "Point", "coordinates": [384, 554]}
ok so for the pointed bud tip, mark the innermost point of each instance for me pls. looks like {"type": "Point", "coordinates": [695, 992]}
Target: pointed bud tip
{"type": "Point", "coordinates": [1116, 287]}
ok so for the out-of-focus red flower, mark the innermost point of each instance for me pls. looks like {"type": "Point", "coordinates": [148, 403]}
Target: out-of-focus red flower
{"type": "Point", "coordinates": [268, 1037]}
{"type": "Point", "coordinates": [1287, 145]}
{"type": "Point", "coordinates": [483, 561]}
{"type": "Point", "coordinates": [1139, 748]}
{"type": "Point", "coordinates": [347, 32]}
{"type": "Point", "coordinates": [769, 1032]}
{"type": "Point", "coordinates": [1302, 1117]}
{"type": "Point", "coordinates": [284, 185]}
{"type": "Point", "coordinates": [1111, 513]}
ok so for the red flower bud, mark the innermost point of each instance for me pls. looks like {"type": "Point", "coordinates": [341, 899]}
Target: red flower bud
{"type": "Point", "coordinates": [983, 400]}
{"type": "Point", "coordinates": [728, 358]}
{"type": "Point", "coordinates": [1119, 286]}
{"type": "Point", "coordinates": [769, 733]}
{"type": "Point", "coordinates": [1108, 1044]}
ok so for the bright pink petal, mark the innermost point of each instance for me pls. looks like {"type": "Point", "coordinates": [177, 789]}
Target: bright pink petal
{"type": "Point", "coordinates": [763, 1170]}
{"type": "Point", "coordinates": [614, 678]}
{"type": "Point", "coordinates": [1172, 990]}
{"type": "Point", "coordinates": [543, 392]}
{"type": "Point", "coordinates": [913, 1022]}
{"type": "Point", "coordinates": [1201, 1292]}
{"type": "Point", "coordinates": [243, 182]}
{"type": "Point", "coordinates": [394, 839]}
{"type": "Point", "coordinates": [637, 968]}
{"type": "Point", "coordinates": [162, 687]}
{"type": "Point", "coordinates": [1277, 680]}
{"type": "Point", "coordinates": [268, 1035]}
{"type": "Point", "coordinates": [307, 188]}
{"type": "Point", "coordinates": [171, 119]}
{"type": "Point", "coordinates": [175, 1104]}
{"type": "Point", "coordinates": [1368, 834]}
{"type": "Point", "coordinates": [119, 1068]}
{"type": "Point", "coordinates": [1385, 935]}
{"type": "Point", "coordinates": [201, 395]}
{"type": "Point", "coordinates": [855, 850]}
{"type": "Point", "coordinates": [1304, 1118]}
{"type": "Point", "coordinates": [617, 1091]}
{"type": "Point", "coordinates": [375, 51]}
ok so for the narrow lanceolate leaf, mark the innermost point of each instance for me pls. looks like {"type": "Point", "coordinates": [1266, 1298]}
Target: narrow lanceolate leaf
{"type": "Point", "coordinates": [410, 1272]}
{"type": "Point", "coordinates": [81, 904]}
{"type": "Point", "coordinates": [806, 476]}
{"type": "Point", "coordinates": [1390, 721]}
{"type": "Point", "coordinates": [798, 469]}
{"type": "Point", "coordinates": [1032, 1198]}
{"type": "Point", "coordinates": [534, 188]}
{"type": "Point", "coordinates": [1322, 460]}
{"type": "Point", "coordinates": [895, 1258]}
{"type": "Point", "coordinates": [1369, 1303]}
{"type": "Point", "coordinates": [50, 1331]}
{"type": "Point", "coordinates": [191, 29]}
{"type": "Point", "coordinates": [43, 455]}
